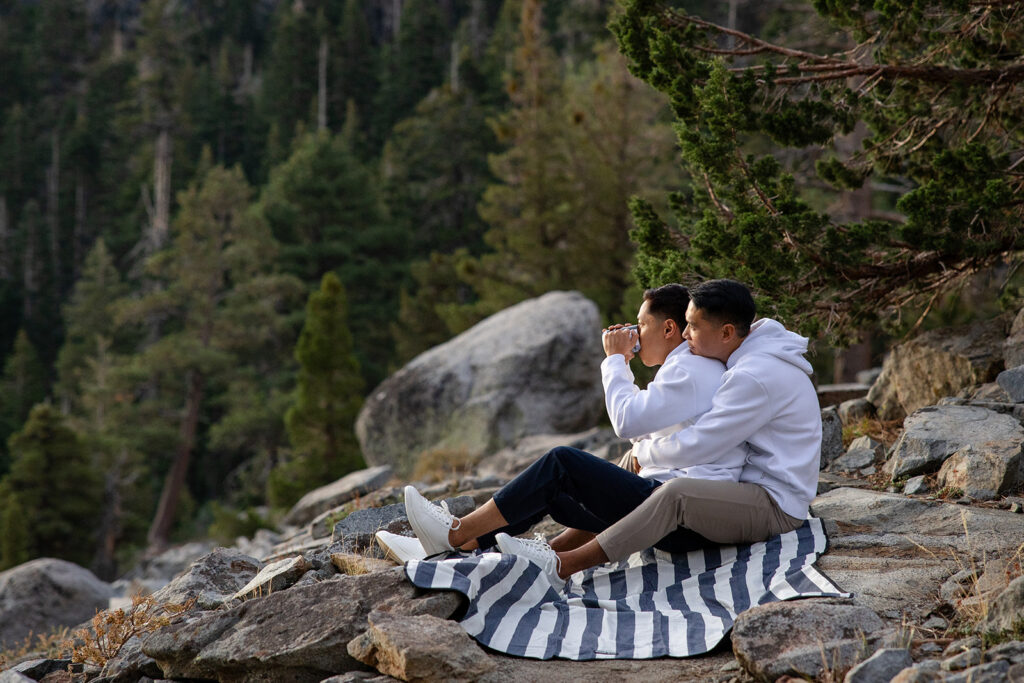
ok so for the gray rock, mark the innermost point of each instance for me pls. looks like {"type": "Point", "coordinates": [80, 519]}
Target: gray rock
{"type": "Point", "coordinates": [1012, 382]}
{"type": "Point", "coordinates": [868, 376]}
{"type": "Point", "coordinates": [881, 666]}
{"type": "Point", "coordinates": [834, 394]}
{"type": "Point", "coordinates": [274, 577]}
{"type": "Point", "coordinates": [934, 433]}
{"type": "Point", "coordinates": [915, 485]}
{"type": "Point", "coordinates": [920, 673]}
{"type": "Point", "coordinates": [798, 638]}
{"type": "Point", "coordinates": [355, 532]}
{"type": "Point", "coordinates": [867, 443]}
{"type": "Point", "coordinates": [512, 460]}
{"type": "Point", "coordinates": [991, 392]}
{"type": "Point", "coordinates": [533, 368]}
{"type": "Point", "coordinates": [211, 580]}
{"type": "Point", "coordinates": [1012, 651]}
{"type": "Point", "coordinates": [337, 493]}
{"type": "Point", "coordinates": [1007, 608]}
{"type": "Point", "coordinates": [938, 363]}
{"type": "Point", "coordinates": [11, 676]}
{"type": "Point", "coordinates": [297, 635]}
{"type": "Point", "coordinates": [935, 623]}
{"type": "Point", "coordinates": [130, 664]}
{"type": "Point", "coordinates": [855, 410]}
{"type": "Point", "coordinates": [421, 648]}
{"type": "Point", "coordinates": [831, 436]}
{"type": "Point", "coordinates": [45, 593]}
{"type": "Point", "coordinates": [159, 570]}
{"type": "Point", "coordinates": [853, 459]}
{"type": "Point", "coordinates": [37, 668]}
{"type": "Point", "coordinates": [961, 645]}
{"type": "Point", "coordinates": [993, 672]}
{"type": "Point", "coordinates": [1013, 345]}
{"type": "Point", "coordinates": [982, 475]}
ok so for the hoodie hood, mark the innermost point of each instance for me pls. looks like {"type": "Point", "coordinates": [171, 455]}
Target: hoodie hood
{"type": "Point", "coordinates": [769, 337]}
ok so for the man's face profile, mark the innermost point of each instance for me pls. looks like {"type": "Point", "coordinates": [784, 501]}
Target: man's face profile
{"type": "Point", "coordinates": [705, 337]}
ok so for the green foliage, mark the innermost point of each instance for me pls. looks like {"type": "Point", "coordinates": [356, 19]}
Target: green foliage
{"type": "Point", "coordinates": [22, 385]}
{"type": "Point", "coordinates": [49, 463]}
{"type": "Point", "coordinates": [327, 399]}
{"type": "Point", "coordinates": [15, 542]}
{"type": "Point", "coordinates": [228, 524]}
{"type": "Point", "coordinates": [324, 209]}
{"type": "Point", "coordinates": [926, 102]}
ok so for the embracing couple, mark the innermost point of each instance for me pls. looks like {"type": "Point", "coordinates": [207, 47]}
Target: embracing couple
{"type": "Point", "coordinates": [726, 446]}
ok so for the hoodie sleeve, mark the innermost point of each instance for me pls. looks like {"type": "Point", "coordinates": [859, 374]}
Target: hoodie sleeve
{"type": "Point", "coordinates": [669, 399]}
{"type": "Point", "coordinates": [740, 408]}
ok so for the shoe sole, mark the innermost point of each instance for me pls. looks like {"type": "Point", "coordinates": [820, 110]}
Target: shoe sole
{"type": "Point", "coordinates": [389, 552]}
{"type": "Point", "coordinates": [414, 521]}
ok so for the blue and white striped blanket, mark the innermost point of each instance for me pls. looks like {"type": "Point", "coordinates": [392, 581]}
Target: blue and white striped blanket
{"type": "Point", "coordinates": [652, 605]}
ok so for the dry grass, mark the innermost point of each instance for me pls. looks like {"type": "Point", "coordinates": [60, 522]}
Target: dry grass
{"type": "Point", "coordinates": [443, 463]}
{"type": "Point", "coordinates": [887, 432]}
{"type": "Point", "coordinates": [111, 629]}
{"type": "Point", "coordinates": [49, 645]}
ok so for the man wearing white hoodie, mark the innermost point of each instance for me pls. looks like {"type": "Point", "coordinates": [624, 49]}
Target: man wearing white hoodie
{"type": "Point", "coordinates": [764, 421]}
{"type": "Point", "coordinates": [579, 490]}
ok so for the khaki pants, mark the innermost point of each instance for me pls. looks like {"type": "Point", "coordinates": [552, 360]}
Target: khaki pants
{"type": "Point", "coordinates": [721, 511]}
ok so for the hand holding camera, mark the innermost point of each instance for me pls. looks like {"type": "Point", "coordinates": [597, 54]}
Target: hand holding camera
{"type": "Point", "coordinates": [621, 339]}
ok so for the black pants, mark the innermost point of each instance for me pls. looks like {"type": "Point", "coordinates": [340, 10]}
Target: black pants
{"type": "Point", "coordinates": [580, 491]}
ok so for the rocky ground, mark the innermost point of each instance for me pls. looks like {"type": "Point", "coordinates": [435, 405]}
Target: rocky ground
{"type": "Point", "coordinates": [920, 491]}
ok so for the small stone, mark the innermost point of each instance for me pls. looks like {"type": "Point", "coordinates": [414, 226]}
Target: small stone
{"type": "Point", "coordinates": [961, 645]}
{"type": "Point", "coordinates": [881, 666]}
{"type": "Point", "coordinates": [915, 485]}
{"type": "Point", "coordinates": [929, 648]}
{"type": "Point", "coordinates": [935, 623]}
{"type": "Point", "coordinates": [1016, 507]}
{"type": "Point", "coordinates": [962, 661]}
{"type": "Point", "coordinates": [993, 672]}
{"type": "Point", "coordinates": [868, 471]}
{"type": "Point", "coordinates": [274, 577]}
{"type": "Point", "coordinates": [1012, 382]}
{"type": "Point", "coordinates": [855, 410]}
{"type": "Point", "coordinates": [731, 665]}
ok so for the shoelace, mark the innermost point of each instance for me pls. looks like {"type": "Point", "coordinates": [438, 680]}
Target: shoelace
{"type": "Point", "coordinates": [445, 516]}
{"type": "Point", "coordinates": [540, 545]}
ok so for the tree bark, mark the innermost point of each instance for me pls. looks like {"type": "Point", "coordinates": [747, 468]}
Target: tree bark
{"type": "Point", "coordinates": [53, 207]}
{"type": "Point", "coordinates": [163, 521]}
{"type": "Point", "coordinates": [80, 238]}
{"type": "Point", "coordinates": [321, 102]}
{"type": "Point", "coordinates": [5, 241]}
{"type": "Point", "coordinates": [161, 219]}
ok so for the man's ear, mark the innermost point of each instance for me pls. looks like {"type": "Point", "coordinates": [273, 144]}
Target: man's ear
{"type": "Point", "coordinates": [728, 332]}
{"type": "Point", "coordinates": [671, 328]}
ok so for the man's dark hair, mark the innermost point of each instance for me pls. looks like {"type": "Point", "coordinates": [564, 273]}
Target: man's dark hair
{"type": "Point", "coordinates": [725, 301]}
{"type": "Point", "coordinates": [668, 302]}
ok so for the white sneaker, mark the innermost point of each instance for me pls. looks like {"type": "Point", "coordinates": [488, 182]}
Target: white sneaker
{"type": "Point", "coordinates": [430, 522]}
{"type": "Point", "coordinates": [401, 549]}
{"type": "Point", "coordinates": [537, 551]}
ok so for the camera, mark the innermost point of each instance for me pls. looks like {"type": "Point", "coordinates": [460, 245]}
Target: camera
{"type": "Point", "coordinates": [636, 347]}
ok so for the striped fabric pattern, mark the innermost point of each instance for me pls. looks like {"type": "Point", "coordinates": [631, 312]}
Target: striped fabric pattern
{"type": "Point", "coordinates": [652, 605]}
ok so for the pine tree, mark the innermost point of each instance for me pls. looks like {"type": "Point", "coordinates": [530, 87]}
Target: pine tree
{"type": "Point", "coordinates": [88, 320]}
{"type": "Point", "coordinates": [14, 531]}
{"type": "Point", "coordinates": [290, 80]}
{"type": "Point", "coordinates": [324, 209]}
{"type": "Point", "coordinates": [22, 385]}
{"type": "Point", "coordinates": [218, 282]}
{"type": "Point", "coordinates": [935, 89]}
{"type": "Point", "coordinates": [327, 399]}
{"type": "Point", "coordinates": [50, 464]}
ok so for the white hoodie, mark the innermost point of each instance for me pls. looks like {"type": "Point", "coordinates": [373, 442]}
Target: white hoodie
{"type": "Point", "coordinates": [682, 390]}
{"type": "Point", "coordinates": [768, 406]}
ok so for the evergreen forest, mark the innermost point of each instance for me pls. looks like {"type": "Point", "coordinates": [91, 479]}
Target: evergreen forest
{"type": "Point", "coordinates": [224, 222]}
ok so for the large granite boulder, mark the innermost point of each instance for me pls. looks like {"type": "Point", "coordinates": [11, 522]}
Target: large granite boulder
{"type": "Point", "coordinates": [986, 444]}
{"type": "Point", "coordinates": [337, 493]}
{"type": "Point", "coordinates": [44, 593]}
{"type": "Point", "coordinates": [211, 580]}
{"type": "Point", "coordinates": [299, 634]}
{"type": "Point", "coordinates": [936, 364]}
{"type": "Point", "coordinates": [533, 368]}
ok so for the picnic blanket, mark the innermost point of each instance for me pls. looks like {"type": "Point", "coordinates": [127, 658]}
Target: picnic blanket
{"type": "Point", "coordinates": [651, 605]}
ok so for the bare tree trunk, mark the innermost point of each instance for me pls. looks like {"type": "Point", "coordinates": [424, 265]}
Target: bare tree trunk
{"type": "Point", "coordinates": [453, 75]}
{"type": "Point", "coordinates": [30, 278]}
{"type": "Point", "coordinates": [321, 102]}
{"type": "Point", "coordinates": [161, 219]}
{"type": "Point", "coordinates": [53, 207]}
{"type": "Point", "coordinates": [80, 238]}
{"type": "Point", "coordinates": [163, 521]}
{"type": "Point", "coordinates": [104, 564]}
{"type": "Point", "coordinates": [6, 271]}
